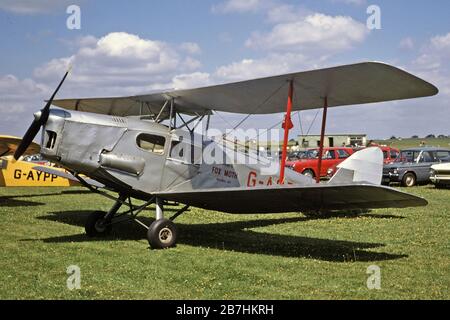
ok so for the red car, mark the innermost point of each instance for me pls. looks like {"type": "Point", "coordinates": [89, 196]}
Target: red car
{"type": "Point", "coordinates": [389, 154]}
{"type": "Point", "coordinates": [330, 159]}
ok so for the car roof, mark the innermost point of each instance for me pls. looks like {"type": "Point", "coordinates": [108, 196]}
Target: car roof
{"type": "Point", "coordinates": [332, 148]}
{"type": "Point", "coordinates": [426, 149]}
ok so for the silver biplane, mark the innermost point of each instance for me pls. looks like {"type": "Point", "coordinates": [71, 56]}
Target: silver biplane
{"type": "Point", "coordinates": [144, 147]}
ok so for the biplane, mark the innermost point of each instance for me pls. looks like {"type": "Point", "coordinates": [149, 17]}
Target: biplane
{"type": "Point", "coordinates": [21, 173]}
{"type": "Point", "coordinates": [144, 148]}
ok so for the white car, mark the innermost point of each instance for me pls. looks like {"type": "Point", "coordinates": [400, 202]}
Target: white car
{"type": "Point", "coordinates": [440, 174]}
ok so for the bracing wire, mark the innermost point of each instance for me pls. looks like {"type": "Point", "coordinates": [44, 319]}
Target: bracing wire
{"type": "Point", "coordinates": [258, 106]}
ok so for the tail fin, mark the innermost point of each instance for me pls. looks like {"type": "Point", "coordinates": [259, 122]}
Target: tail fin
{"type": "Point", "coordinates": [365, 166]}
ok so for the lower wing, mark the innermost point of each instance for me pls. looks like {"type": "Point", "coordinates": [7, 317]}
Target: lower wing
{"type": "Point", "coordinates": [283, 199]}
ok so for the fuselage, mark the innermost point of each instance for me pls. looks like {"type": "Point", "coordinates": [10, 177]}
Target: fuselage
{"type": "Point", "coordinates": [141, 157]}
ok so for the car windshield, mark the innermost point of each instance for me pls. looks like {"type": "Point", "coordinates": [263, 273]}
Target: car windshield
{"type": "Point", "coordinates": [314, 154]}
{"type": "Point", "coordinates": [311, 154]}
{"type": "Point", "coordinates": [297, 155]}
{"type": "Point", "coordinates": [408, 156]}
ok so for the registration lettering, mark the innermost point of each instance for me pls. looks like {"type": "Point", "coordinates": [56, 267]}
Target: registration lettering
{"type": "Point", "coordinates": [34, 175]}
{"type": "Point", "coordinates": [253, 180]}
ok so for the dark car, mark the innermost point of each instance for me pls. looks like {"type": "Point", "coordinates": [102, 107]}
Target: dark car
{"type": "Point", "coordinates": [412, 166]}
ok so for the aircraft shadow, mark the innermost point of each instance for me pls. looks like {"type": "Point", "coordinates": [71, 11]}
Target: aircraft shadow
{"type": "Point", "coordinates": [76, 192]}
{"type": "Point", "coordinates": [235, 236]}
{"type": "Point", "coordinates": [11, 201]}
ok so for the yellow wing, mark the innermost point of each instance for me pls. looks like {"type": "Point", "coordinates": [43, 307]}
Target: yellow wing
{"type": "Point", "coordinates": [9, 144]}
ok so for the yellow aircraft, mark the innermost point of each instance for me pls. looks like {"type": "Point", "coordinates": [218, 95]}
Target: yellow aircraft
{"type": "Point", "coordinates": [20, 173]}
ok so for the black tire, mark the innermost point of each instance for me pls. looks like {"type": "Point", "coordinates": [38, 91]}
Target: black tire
{"type": "Point", "coordinates": [409, 180]}
{"type": "Point", "coordinates": [95, 225]}
{"type": "Point", "coordinates": [309, 173]}
{"type": "Point", "coordinates": [162, 234]}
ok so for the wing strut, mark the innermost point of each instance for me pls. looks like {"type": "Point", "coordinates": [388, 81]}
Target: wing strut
{"type": "Point", "coordinates": [322, 137]}
{"type": "Point", "coordinates": [287, 125]}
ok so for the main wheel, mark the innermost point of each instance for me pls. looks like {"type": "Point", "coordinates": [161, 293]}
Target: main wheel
{"type": "Point", "coordinates": [409, 180]}
{"type": "Point", "coordinates": [162, 234]}
{"type": "Point", "coordinates": [96, 225]}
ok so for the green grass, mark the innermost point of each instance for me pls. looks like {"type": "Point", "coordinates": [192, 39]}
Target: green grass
{"type": "Point", "coordinates": [413, 143]}
{"type": "Point", "coordinates": [222, 256]}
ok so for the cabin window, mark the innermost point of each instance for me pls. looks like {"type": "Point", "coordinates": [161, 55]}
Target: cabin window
{"type": "Point", "coordinates": [151, 143]}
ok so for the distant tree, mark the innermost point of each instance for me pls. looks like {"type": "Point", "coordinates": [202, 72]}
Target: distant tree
{"type": "Point", "coordinates": [430, 136]}
{"type": "Point", "coordinates": [442, 136]}
{"type": "Point", "coordinates": [415, 137]}
{"type": "Point", "coordinates": [393, 138]}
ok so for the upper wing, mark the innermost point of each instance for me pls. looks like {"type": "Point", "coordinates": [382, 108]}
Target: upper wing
{"type": "Point", "coordinates": [296, 199]}
{"type": "Point", "coordinates": [344, 85]}
{"type": "Point", "coordinates": [8, 146]}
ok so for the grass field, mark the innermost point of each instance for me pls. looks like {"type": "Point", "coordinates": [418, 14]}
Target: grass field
{"type": "Point", "coordinates": [412, 143]}
{"type": "Point", "coordinates": [222, 256]}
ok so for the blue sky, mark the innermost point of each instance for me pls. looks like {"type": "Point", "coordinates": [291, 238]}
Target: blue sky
{"type": "Point", "coordinates": [133, 47]}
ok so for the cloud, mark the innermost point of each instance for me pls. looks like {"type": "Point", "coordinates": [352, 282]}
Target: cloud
{"type": "Point", "coordinates": [190, 47]}
{"type": "Point", "coordinates": [352, 2]}
{"type": "Point", "coordinates": [314, 32]}
{"type": "Point", "coordinates": [407, 43]}
{"type": "Point", "coordinates": [441, 42]}
{"type": "Point", "coordinates": [299, 39]}
{"type": "Point", "coordinates": [272, 64]}
{"type": "Point", "coordinates": [191, 80]}
{"type": "Point", "coordinates": [120, 63]}
{"type": "Point", "coordinates": [286, 13]}
{"type": "Point", "coordinates": [239, 6]}
{"type": "Point", "coordinates": [117, 64]}
{"type": "Point", "coordinates": [32, 7]}
{"type": "Point", "coordinates": [19, 99]}
{"type": "Point", "coordinates": [433, 63]}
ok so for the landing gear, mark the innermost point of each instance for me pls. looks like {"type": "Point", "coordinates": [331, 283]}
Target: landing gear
{"type": "Point", "coordinates": [99, 223]}
{"type": "Point", "coordinates": [96, 225]}
{"type": "Point", "coordinates": [161, 234]}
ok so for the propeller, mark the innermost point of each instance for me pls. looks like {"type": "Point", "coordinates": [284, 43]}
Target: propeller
{"type": "Point", "coordinates": [40, 119]}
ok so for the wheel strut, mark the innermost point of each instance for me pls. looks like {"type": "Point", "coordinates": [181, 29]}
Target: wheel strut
{"type": "Point", "coordinates": [161, 234]}
{"type": "Point", "coordinates": [119, 202]}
